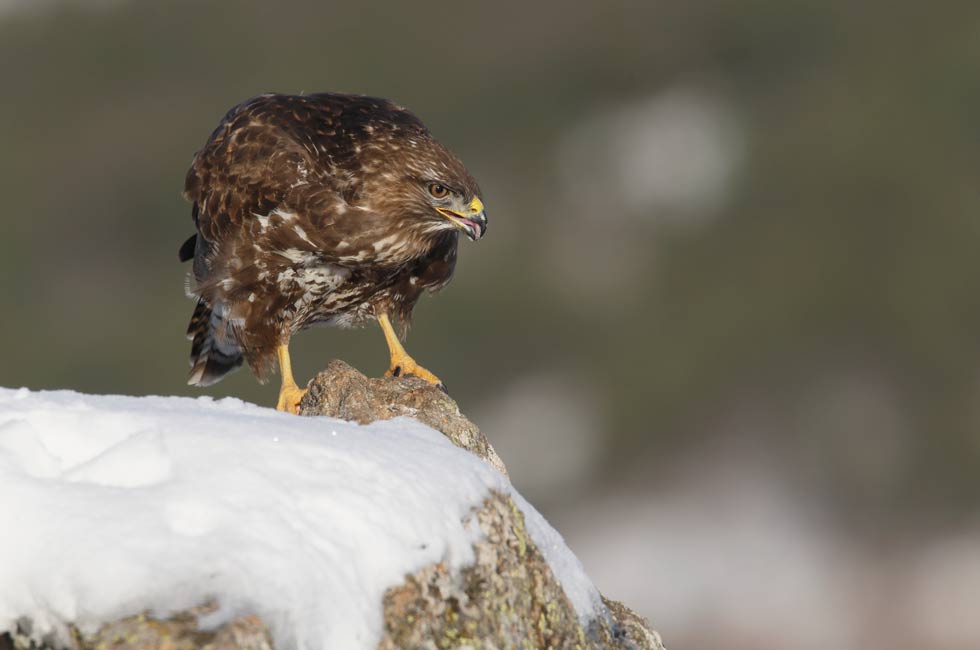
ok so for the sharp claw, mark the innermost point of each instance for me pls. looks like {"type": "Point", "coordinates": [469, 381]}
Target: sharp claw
{"type": "Point", "coordinates": [289, 400]}
{"type": "Point", "coordinates": [397, 372]}
{"type": "Point", "coordinates": [441, 386]}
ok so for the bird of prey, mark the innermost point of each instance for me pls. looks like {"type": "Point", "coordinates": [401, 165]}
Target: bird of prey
{"type": "Point", "coordinates": [327, 209]}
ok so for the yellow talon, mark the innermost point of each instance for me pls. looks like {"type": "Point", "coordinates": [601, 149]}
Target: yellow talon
{"type": "Point", "coordinates": [401, 363]}
{"type": "Point", "coordinates": [289, 399]}
{"type": "Point", "coordinates": [289, 393]}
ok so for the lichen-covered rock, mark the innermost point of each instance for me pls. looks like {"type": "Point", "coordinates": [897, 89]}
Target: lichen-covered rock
{"type": "Point", "coordinates": [633, 630]}
{"type": "Point", "coordinates": [144, 632]}
{"type": "Point", "coordinates": [342, 392]}
{"type": "Point", "coordinates": [509, 598]}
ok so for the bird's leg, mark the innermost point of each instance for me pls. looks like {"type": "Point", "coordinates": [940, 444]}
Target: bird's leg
{"type": "Point", "coordinates": [401, 363]}
{"type": "Point", "coordinates": [289, 393]}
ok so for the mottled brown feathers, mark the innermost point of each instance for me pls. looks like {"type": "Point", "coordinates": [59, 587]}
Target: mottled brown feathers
{"type": "Point", "coordinates": [312, 209]}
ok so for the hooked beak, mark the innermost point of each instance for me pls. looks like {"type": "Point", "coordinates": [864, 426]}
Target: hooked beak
{"type": "Point", "coordinates": [473, 222]}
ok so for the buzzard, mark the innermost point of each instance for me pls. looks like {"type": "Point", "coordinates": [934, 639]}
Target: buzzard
{"type": "Point", "coordinates": [327, 209]}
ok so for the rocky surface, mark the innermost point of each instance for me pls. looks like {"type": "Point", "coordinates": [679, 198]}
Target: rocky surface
{"type": "Point", "coordinates": [143, 632]}
{"type": "Point", "coordinates": [342, 392]}
{"type": "Point", "coordinates": [509, 598]}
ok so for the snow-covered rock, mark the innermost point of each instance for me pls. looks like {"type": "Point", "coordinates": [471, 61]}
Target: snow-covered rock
{"type": "Point", "coordinates": [329, 533]}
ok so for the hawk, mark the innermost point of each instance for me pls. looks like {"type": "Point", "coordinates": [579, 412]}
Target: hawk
{"type": "Point", "coordinates": [328, 209]}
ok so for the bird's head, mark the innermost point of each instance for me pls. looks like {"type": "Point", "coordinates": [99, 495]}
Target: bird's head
{"type": "Point", "coordinates": [460, 208]}
{"type": "Point", "coordinates": [403, 170]}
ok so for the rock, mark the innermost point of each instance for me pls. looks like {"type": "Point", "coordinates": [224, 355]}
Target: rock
{"type": "Point", "coordinates": [342, 392]}
{"type": "Point", "coordinates": [509, 598]}
{"type": "Point", "coordinates": [144, 632]}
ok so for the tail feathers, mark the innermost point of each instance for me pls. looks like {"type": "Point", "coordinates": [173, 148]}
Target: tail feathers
{"type": "Point", "coordinates": [214, 351]}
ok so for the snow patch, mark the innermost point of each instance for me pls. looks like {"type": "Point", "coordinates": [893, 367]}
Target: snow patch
{"type": "Point", "coordinates": [115, 505]}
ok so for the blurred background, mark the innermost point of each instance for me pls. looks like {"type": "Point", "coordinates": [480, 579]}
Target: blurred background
{"type": "Point", "coordinates": [725, 328]}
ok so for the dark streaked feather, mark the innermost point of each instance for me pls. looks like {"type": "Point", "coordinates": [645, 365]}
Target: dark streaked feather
{"type": "Point", "coordinates": [214, 353]}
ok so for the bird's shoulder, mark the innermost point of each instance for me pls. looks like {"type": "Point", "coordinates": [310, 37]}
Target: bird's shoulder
{"type": "Point", "coordinates": [264, 156]}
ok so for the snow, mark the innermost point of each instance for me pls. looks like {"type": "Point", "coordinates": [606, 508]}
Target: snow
{"type": "Point", "coordinates": [113, 505]}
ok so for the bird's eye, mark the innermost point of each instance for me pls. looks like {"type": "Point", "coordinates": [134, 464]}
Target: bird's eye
{"type": "Point", "coordinates": [438, 191]}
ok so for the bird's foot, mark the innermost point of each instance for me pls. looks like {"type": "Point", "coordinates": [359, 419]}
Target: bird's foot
{"type": "Point", "coordinates": [405, 366]}
{"type": "Point", "coordinates": [289, 398]}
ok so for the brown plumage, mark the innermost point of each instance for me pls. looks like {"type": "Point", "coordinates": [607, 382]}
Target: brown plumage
{"type": "Point", "coordinates": [325, 208]}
